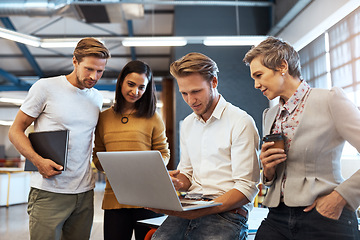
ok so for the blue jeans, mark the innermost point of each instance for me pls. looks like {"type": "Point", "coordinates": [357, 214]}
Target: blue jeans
{"type": "Point", "coordinates": [284, 223]}
{"type": "Point", "coordinates": [220, 226]}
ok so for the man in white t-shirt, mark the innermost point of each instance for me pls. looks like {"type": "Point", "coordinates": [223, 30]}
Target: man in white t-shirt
{"type": "Point", "coordinates": [61, 202]}
{"type": "Point", "coordinates": [219, 160]}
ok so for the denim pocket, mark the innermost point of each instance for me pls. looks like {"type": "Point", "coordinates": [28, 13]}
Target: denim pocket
{"type": "Point", "coordinates": [345, 228]}
{"type": "Point", "coordinates": [346, 218]}
{"type": "Point", "coordinates": [319, 215]}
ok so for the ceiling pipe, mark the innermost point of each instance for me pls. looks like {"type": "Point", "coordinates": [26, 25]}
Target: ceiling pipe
{"type": "Point", "coordinates": [33, 8]}
{"type": "Point", "coordinates": [174, 3]}
{"type": "Point", "coordinates": [57, 7]}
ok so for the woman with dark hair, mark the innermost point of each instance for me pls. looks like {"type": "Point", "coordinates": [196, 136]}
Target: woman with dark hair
{"type": "Point", "coordinates": [132, 124]}
{"type": "Point", "coordinates": [146, 103]}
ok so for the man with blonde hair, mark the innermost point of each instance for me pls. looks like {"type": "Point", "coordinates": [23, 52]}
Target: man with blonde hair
{"type": "Point", "coordinates": [61, 202]}
{"type": "Point", "coordinates": [218, 162]}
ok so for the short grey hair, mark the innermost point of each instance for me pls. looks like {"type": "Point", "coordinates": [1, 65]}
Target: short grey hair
{"type": "Point", "coordinates": [273, 51]}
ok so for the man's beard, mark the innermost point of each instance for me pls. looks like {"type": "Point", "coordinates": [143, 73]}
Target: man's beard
{"type": "Point", "coordinates": [208, 105]}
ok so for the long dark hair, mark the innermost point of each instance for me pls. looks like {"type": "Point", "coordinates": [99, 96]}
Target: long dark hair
{"type": "Point", "coordinates": [146, 105]}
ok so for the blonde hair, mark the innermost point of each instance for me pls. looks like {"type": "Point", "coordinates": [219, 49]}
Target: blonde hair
{"type": "Point", "coordinates": [194, 63]}
{"type": "Point", "coordinates": [90, 47]}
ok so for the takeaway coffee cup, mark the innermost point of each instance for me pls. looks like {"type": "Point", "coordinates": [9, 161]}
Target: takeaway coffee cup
{"type": "Point", "coordinates": [276, 138]}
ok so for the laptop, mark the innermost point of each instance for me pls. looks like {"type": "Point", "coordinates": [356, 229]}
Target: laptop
{"type": "Point", "coordinates": [140, 178]}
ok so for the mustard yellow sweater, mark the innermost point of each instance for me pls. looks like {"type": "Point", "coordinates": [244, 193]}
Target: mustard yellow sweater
{"type": "Point", "coordinates": [139, 134]}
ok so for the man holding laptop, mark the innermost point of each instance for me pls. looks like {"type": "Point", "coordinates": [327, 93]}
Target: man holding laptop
{"type": "Point", "coordinates": [219, 161]}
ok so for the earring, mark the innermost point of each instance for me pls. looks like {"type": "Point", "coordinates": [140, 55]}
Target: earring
{"type": "Point", "coordinates": [282, 74]}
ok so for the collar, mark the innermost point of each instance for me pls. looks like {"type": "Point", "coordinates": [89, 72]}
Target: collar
{"type": "Point", "coordinates": [218, 111]}
{"type": "Point", "coordinates": [296, 98]}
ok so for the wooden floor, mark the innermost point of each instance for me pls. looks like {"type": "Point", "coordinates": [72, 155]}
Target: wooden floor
{"type": "Point", "coordinates": [14, 219]}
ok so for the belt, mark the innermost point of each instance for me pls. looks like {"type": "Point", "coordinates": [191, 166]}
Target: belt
{"type": "Point", "coordinates": [242, 211]}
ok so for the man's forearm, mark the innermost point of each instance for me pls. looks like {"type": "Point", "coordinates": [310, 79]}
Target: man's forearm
{"type": "Point", "coordinates": [23, 145]}
{"type": "Point", "coordinates": [231, 200]}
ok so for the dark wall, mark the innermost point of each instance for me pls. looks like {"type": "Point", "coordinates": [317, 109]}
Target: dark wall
{"type": "Point", "coordinates": [235, 84]}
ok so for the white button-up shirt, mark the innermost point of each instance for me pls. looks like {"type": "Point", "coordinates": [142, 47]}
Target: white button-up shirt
{"type": "Point", "coordinates": [222, 153]}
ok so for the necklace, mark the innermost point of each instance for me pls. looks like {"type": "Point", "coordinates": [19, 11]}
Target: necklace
{"type": "Point", "coordinates": [125, 119]}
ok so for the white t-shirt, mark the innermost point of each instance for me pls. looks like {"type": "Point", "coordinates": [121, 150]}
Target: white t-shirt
{"type": "Point", "coordinates": [222, 153]}
{"type": "Point", "coordinates": [57, 104]}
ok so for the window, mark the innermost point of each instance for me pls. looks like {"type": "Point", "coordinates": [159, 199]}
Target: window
{"type": "Point", "coordinates": [333, 59]}
{"type": "Point", "coordinates": [314, 63]}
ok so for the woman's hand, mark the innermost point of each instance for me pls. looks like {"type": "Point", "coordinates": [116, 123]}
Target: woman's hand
{"type": "Point", "coordinates": [330, 206]}
{"type": "Point", "coordinates": [270, 158]}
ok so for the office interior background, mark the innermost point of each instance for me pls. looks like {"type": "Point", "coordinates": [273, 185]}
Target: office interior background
{"type": "Point", "coordinates": [37, 38]}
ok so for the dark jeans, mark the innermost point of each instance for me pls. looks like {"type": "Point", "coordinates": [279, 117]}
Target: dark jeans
{"type": "Point", "coordinates": [283, 223]}
{"type": "Point", "coordinates": [120, 223]}
{"type": "Point", "coordinates": [222, 226]}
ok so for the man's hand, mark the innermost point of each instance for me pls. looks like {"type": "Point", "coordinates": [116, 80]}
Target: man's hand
{"type": "Point", "coordinates": [178, 184]}
{"type": "Point", "coordinates": [330, 206]}
{"type": "Point", "coordinates": [180, 181]}
{"type": "Point", "coordinates": [48, 168]}
{"type": "Point", "coordinates": [270, 158]}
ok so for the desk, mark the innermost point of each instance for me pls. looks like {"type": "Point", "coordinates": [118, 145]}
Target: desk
{"type": "Point", "coordinates": [15, 186]}
{"type": "Point", "coordinates": [255, 217]}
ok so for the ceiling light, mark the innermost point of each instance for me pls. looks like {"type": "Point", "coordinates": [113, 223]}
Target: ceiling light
{"type": "Point", "coordinates": [59, 43]}
{"type": "Point", "coordinates": [153, 41]}
{"type": "Point", "coordinates": [15, 101]}
{"type": "Point", "coordinates": [233, 40]}
{"type": "Point", "coordinates": [6, 123]}
{"type": "Point", "coordinates": [135, 41]}
{"type": "Point", "coordinates": [19, 37]}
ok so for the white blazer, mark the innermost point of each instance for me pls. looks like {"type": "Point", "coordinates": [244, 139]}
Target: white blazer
{"type": "Point", "coordinates": [313, 160]}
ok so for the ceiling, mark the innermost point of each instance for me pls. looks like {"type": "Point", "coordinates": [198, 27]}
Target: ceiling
{"type": "Point", "coordinates": [21, 65]}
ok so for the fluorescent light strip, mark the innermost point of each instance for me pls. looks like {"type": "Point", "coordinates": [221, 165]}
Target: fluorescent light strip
{"type": "Point", "coordinates": [62, 42]}
{"type": "Point", "coordinates": [15, 101]}
{"type": "Point", "coordinates": [135, 41]}
{"type": "Point", "coordinates": [6, 123]}
{"type": "Point", "coordinates": [19, 37]}
{"type": "Point", "coordinates": [153, 41]}
{"type": "Point", "coordinates": [59, 43]}
{"type": "Point", "coordinates": [233, 40]}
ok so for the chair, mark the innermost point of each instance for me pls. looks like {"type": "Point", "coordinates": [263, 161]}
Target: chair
{"type": "Point", "coordinates": [150, 233]}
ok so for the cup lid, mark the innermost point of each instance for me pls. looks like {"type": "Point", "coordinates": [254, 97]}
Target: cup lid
{"type": "Point", "coordinates": [273, 137]}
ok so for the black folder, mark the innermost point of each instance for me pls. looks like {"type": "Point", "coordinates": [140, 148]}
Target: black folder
{"type": "Point", "coordinates": [52, 145]}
